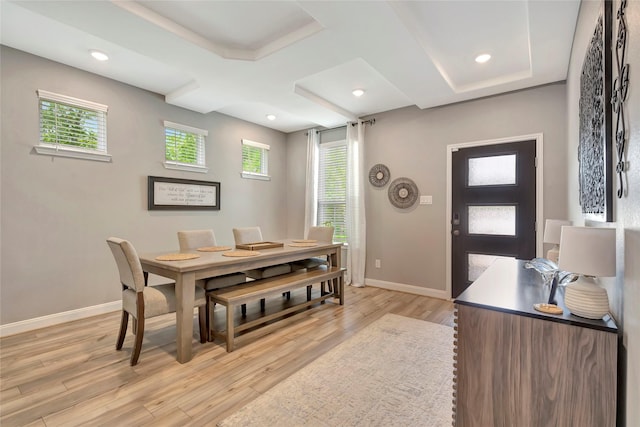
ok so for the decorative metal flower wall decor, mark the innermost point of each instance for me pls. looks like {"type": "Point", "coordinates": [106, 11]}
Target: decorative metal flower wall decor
{"type": "Point", "coordinates": [619, 96]}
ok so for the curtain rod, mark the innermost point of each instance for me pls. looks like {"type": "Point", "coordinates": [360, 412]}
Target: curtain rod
{"type": "Point", "coordinates": [364, 122]}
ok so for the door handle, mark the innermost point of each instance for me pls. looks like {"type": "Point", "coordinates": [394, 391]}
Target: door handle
{"type": "Point", "coordinates": [456, 232]}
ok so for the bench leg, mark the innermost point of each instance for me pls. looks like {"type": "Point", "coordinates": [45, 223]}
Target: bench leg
{"type": "Point", "coordinates": [309, 293]}
{"type": "Point", "coordinates": [230, 331]}
{"type": "Point", "coordinates": [340, 284]}
{"type": "Point", "coordinates": [262, 304]}
{"type": "Point", "coordinates": [243, 308]}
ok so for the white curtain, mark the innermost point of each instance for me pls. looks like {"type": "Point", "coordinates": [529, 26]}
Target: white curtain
{"type": "Point", "coordinates": [311, 193]}
{"type": "Point", "coordinates": [356, 220]}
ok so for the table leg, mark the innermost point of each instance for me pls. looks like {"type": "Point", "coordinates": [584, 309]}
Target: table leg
{"type": "Point", "coordinates": [185, 297]}
{"type": "Point", "coordinates": [230, 331]}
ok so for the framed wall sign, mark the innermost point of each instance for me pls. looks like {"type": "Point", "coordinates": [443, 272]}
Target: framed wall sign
{"type": "Point", "coordinates": [182, 194]}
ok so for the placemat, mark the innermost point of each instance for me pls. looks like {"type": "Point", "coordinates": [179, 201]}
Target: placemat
{"type": "Point", "coordinates": [303, 244]}
{"type": "Point", "coordinates": [241, 253]}
{"type": "Point", "coordinates": [177, 257]}
{"type": "Point", "coordinates": [214, 248]}
{"type": "Point", "coordinates": [304, 241]}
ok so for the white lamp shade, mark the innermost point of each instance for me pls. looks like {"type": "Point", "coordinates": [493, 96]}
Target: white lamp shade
{"type": "Point", "coordinates": [588, 251]}
{"type": "Point", "coordinates": [552, 228]}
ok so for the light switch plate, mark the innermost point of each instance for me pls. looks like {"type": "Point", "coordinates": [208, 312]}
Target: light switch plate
{"type": "Point", "coordinates": [426, 200]}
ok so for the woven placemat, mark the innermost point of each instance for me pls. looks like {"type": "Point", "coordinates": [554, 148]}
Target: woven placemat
{"type": "Point", "coordinates": [304, 241]}
{"type": "Point", "coordinates": [177, 257]}
{"type": "Point", "coordinates": [303, 244]}
{"type": "Point", "coordinates": [214, 248]}
{"type": "Point", "coordinates": [241, 253]}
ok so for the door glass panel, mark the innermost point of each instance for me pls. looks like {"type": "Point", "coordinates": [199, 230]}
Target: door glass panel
{"type": "Point", "coordinates": [478, 263]}
{"type": "Point", "coordinates": [494, 170]}
{"type": "Point", "coordinates": [496, 220]}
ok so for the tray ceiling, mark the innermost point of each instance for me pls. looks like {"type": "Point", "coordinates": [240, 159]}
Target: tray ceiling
{"type": "Point", "coordinates": [301, 60]}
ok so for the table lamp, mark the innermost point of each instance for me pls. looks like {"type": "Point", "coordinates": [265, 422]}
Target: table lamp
{"type": "Point", "coordinates": [552, 228]}
{"type": "Point", "coordinates": [589, 252]}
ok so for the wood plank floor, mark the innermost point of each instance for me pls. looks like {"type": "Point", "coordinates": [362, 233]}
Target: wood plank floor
{"type": "Point", "coordinates": [71, 374]}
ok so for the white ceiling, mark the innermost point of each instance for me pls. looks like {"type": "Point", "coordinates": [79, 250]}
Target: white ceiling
{"type": "Point", "coordinates": [300, 60]}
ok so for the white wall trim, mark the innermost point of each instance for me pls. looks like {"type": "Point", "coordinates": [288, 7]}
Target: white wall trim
{"type": "Point", "coordinates": [538, 137]}
{"type": "Point", "coordinates": [58, 318]}
{"type": "Point", "coordinates": [410, 289]}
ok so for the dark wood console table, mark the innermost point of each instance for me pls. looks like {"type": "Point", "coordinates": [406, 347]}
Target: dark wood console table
{"type": "Point", "coordinates": [520, 367]}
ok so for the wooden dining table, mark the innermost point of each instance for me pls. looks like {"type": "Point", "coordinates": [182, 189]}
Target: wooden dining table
{"type": "Point", "coordinates": [186, 273]}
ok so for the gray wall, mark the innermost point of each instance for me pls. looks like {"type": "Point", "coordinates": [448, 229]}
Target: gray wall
{"type": "Point", "coordinates": [56, 212]}
{"type": "Point", "coordinates": [413, 143]}
{"type": "Point", "coordinates": [624, 290]}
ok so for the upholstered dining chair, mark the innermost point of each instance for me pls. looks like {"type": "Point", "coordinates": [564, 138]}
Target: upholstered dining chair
{"type": "Point", "coordinates": [245, 235]}
{"type": "Point", "coordinates": [321, 234]}
{"type": "Point", "coordinates": [143, 302]}
{"type": "Point", "coordinates": [252, 235]}
{"type": "Point", "coordinates": [194, 239]}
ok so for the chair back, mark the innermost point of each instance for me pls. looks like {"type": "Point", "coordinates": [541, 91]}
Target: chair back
{"type": "Point", "coordinates": [128, 263]}
{"type": "Point", "coordinates": [194, 239]}
{"type": "Point", "coordinates": [321, 234]}
{"type": "Point", "coordinates": [247, 235]}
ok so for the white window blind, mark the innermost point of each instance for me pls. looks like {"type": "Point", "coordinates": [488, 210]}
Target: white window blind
{"type": "Point", "coordinates": [72, 127]}
{"type": "Point", "coordinates": [255, 159]}
{"type": "Point", "coordinates": [332, 188]}
{"type": "Point", "coordinates": [184, 147]}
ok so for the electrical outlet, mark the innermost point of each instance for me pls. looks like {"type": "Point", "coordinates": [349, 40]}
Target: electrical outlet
{"type": "Point", "coordinates": [377, 263]}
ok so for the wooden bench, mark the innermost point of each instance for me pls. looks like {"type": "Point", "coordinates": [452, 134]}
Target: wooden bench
{"type": "Point", "coordinates": [234, 296]}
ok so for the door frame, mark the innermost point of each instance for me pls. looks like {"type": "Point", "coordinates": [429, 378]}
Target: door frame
{"type": "Point", "coordinates": [538, 137]}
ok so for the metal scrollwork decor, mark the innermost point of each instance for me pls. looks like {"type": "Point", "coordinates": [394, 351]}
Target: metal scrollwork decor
{"type": "Point", "coordinates": [619, 96]}
{"type": "Point", "coordinates": [595, 148]}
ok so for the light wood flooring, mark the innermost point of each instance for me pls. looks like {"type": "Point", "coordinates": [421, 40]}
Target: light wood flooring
{"type": "Point", "coordinates": [71, 374]}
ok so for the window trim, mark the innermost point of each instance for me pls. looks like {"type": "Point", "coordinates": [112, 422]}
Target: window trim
{"type": "Point", "coordinates": [188, 167]}
{"type": "Point", "coordinates": [265, 159]}
{"type": "Point", "coordinates": [63, 150]}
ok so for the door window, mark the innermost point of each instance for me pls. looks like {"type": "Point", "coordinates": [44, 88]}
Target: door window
{"type": "Point", "coordinates": [493, 220]}
{"type": "Point", "coordinates": [493, 170]}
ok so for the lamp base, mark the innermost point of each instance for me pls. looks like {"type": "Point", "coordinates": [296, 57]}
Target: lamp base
{"type": "Point", "coordinates": [585, 298]}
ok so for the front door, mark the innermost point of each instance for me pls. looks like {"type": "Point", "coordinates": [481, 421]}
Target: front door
{"type": "Point", "coordinates": [493, 197]}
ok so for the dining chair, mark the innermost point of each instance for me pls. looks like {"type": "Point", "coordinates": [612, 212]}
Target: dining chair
{"type": "Point", "coordinates": [321, 234]}
{"type": "Point", "coordinates": [244, 235]}
{"type": "Point", "coordinates": [142, 301]}
{"type": "Point", "coordinates": [252, 235]}
{"type": "Point", "coordinates": [194, 239]}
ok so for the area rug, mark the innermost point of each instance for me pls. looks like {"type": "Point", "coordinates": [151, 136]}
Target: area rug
{"type": "Point", "coordinates": [397, 371]}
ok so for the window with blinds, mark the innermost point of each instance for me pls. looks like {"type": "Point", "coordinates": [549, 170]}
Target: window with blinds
{"type": "Point", "coordinates": [255, 160]}
{"type": "Point", "coordinates": [72, 127]}
{"type": "Point", "coordinates": [184, 147]}
{"type": "Point", "coordinates": [332, 188]}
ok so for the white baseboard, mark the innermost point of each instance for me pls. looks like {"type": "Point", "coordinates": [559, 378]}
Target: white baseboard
{"type": "Point", "coordinates": [410, 289]}
{"type": "Point", "coordinates": [57, 318]}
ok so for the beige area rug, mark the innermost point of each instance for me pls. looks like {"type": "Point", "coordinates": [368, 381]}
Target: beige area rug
{"type": "Point", "coordinates": [397, 371]}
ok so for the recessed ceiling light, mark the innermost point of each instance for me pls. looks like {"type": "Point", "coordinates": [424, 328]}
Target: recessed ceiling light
{"type": "Point", "coordinates": [100, 56]}
{"type": "Point", "coordinates": [481, 59]}
{"type": "Point", "coordinates": [271, 117]}
{"type": "Point", "coordinates": [358, 92]}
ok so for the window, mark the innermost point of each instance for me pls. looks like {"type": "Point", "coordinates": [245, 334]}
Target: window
{"type": "Point", "coordinates": [332, 188]}
{"type": "Point", "coordinates": [184, 147]}
{"type": "Point", "coordinates": [255, 160]}
{"type": "Point", "coordinates": [71, 127]}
